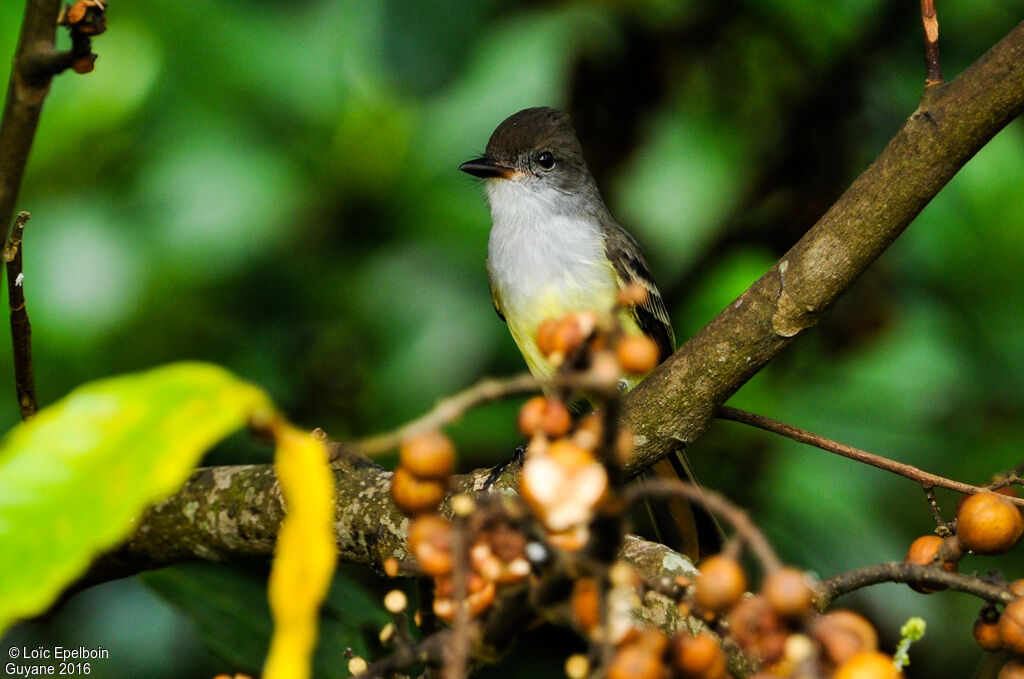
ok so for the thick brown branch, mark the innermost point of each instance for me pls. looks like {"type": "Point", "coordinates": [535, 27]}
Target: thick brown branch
{"type": "Point", "coordinates": [21, 329]}
{"type": "Point", "coordinates": [678, 401]}
{"type": "Point", "coordinates": [926, 479]}
{"type": "Point", "coordinates": [233, 512]}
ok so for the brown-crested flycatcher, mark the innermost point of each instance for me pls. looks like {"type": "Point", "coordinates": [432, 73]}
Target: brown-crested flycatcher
{"type": "Point", "coordinates": [554, 248]}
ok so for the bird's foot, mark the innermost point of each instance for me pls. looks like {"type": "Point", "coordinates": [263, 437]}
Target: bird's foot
{"type": "Point", "coordinates": [498, 470]}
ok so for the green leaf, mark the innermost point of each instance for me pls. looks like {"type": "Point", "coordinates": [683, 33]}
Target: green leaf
{"type": "Point", "coordinates": [228, 604]}
{"type": "Point", "coordinates": [75, 477]}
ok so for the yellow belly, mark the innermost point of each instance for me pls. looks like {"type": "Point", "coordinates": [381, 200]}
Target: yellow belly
{"type": "Point", "coordinates": [524, 320]}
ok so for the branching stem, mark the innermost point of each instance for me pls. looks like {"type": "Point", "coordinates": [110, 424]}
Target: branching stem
{"type": "Point", "coordinates": [832, 588]}
{"type": "Point", "coordinates": [925, 479]}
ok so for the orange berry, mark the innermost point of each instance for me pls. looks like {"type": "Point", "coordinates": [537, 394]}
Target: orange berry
{"type": "Point", "coordinates": [789, 593]}
{"type": "Point", "coordinates": [506, 541]}
{"type": "Point", "coordinates": [624, 444]}
{"type": "Point", "coordinates": [986, 633]}
{"type": "Point", "coordinates": [546, 335]}
{"type": "Point", "coordinates": [413, 495]}
{"type": "Point", "coordinates": [1011, 626]}
{"type": "Point", "coordinates": [570, 540]}
{"type": "Point", "coordinates": [586, 603]}
{"type": "Point", "coordinates": [868, 665]}
{"type": "Point", "coordinates": [589, 432]}
{"type": "Point", "coordinates": [633, 294]}
{"type": "Point", "coordinates": [1016, 587]}
{"type": "Point", "coordinates": [923, 552]}
{"type": "Point", "coordinates": [1012, 670]}
{"type": "Point", "coordinates": [430, 455]}
{"type": "Point", "coordinates": [605, 370]}
{"type": "Point", "coordinates": [988, 524]}
{"type": "Point", "coordinates": [844, 634]}
{"type": "Point", "coordinates": [638, 354]}
{"type": "Point", "coordinates": [77, 12]}
{"type": "Point", "coordinates": [569, 455]}
{"type": "Point", "coordinates": [430, 541]}
{"type": "Point", "coordinates": [720, 584]}
{"type": "Point", "coordinates": [531, 416]}
{"type": "Point", "coordinates": [699, 657]}
{"type": "Point", "coordinates": [757, 630]}
{"type": "Point", "coordinates": [479, 596]}
{"type": "Point", "coordinates": [544, 414]}
{"type": "Point", "coordinates": [635, 661]}
{"type": "Point", "coordinates": [652, 639]}
{"type": "Point", "coordinates": [480, 599]}
{"type": "Point", "coordinates": [568, 336]}
{"type": "Point", "coordinates": [499, 554]}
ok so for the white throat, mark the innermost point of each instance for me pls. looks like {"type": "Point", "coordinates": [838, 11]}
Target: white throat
{"type": "Point", "coordinates": [544, 251]}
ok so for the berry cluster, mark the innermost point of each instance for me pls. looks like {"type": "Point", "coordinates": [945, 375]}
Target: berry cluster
{"type": "Point", "coordinates": [564, 479]}
{"type": "Point", "coordinates": [496, 547]}
{"type": "Point", "coordinates": [776, 629]}
{"type": "Point", "coordinates": [779, 629]}
{"type": "Point", "coordinates": [571, 490]}
{"type": "Point", "coordinates": [583, 339]}
{"type": "Point", "coordinates": [986, 523]}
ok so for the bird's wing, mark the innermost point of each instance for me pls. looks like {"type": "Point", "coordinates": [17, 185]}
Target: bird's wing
{"type": "Point", "coordinates": [631, 267]}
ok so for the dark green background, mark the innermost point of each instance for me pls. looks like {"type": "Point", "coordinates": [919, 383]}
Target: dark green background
{"type": "Point", "coordinates": [272, 186]}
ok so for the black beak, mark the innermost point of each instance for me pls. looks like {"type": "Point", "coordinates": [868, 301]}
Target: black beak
{"type": "Point", "coordinates": [485, 169]}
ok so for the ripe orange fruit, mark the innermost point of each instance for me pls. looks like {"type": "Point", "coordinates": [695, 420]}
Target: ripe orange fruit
{"type": "Point", "coordinates": [987, 523]}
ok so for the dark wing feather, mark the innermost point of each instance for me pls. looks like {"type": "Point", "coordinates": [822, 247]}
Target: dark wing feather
{"type": "Point", "coordinates": [497, 306]}
{"type": "Point", "coordinates": [631, 266]}
{"type": "Point", "coordinates": [674, 521]}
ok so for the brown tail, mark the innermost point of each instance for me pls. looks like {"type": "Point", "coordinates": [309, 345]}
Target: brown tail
{"type": "Point", "coordinates": [677, 523]}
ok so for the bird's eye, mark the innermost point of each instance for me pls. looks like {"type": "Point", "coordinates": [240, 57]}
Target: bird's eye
{"type": "Point", "coordinates": [546, 160]}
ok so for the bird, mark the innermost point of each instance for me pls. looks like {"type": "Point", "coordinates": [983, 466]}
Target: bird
{"type": "Point", "coordinates": [554, 248]}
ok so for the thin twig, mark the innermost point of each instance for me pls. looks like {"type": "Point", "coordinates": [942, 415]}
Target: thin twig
{"type": "Point", "coordinates": [452, 408]}
{"type": "Point", "coordinates": [942, 528]}
{"type": "Point", "coordinates": [925, 479]}
{"type": "Point", "coordinates": [21, 328]}
{"type": "Point", "coordinates": [931, 43]}
{"type": "Point", "coordinates": [456, 652]}
{"type": "Point", "coordinates": [715, 504]}
{"type": "Point", "coordinates": [35, 63]}
{"type": "Point", "coordinates": [827, 591]}
{"type": "Point", "coordinates": [427, 652]}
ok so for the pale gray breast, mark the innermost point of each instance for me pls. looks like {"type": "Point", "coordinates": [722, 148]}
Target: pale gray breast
{"type": "Point", "coordinates": [536, 249]}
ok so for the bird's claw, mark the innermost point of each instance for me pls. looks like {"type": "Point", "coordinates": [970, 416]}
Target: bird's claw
{"type": "Point", "coordinates": [498, 470]}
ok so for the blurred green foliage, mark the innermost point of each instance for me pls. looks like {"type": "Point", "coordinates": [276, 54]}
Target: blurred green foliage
{"type": "Point", "coordinates": [273, 187]}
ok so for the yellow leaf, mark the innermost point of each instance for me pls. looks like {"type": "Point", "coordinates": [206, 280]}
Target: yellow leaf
{"type": "Point", "coordinates": [305, 555]}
